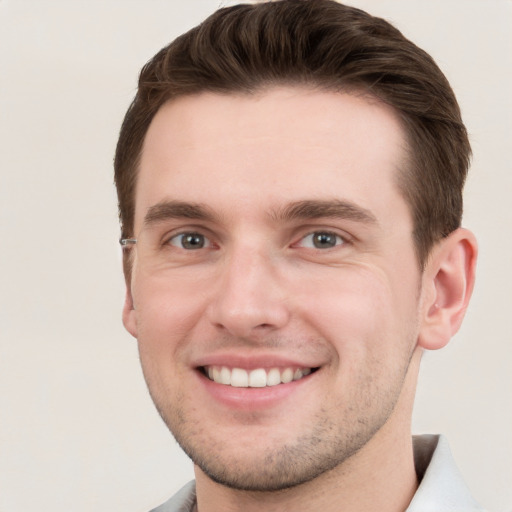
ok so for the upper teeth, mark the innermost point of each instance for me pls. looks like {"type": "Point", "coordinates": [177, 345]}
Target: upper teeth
{"type": "Point", "coordinates": [258, 378]}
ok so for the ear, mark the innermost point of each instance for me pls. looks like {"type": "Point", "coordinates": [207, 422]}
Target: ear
{"type": "Point", "coordinates": [129, 313]}
{"type": "Point", "coordinates": [448, 282]}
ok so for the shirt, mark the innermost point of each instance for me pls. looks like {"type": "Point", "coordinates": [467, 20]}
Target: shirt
{"type": "Point", "coordinates": [441, 486]}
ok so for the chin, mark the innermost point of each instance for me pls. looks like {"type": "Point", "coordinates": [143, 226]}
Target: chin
{"type": "Point", "coordinates": [245, 466]}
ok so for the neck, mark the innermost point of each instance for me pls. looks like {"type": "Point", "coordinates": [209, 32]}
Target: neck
{"type": "Point", "coordinates": [379, 478]}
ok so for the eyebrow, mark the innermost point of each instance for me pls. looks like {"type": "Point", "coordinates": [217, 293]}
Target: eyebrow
{"type": "Point", "coordinates": [165, 210]}
{"type": "Point", "coordinates": [297, 210]}
{"type": "Point", "coordinates": [314, 209]}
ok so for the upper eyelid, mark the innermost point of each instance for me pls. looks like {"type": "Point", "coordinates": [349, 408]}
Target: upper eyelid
{"type": "Point", "coordinates": [183, 233]}
{"type": "Point", "coordinates": [344, 239]}
{"type": "Point", "coordinates": [169, 233]}
{"type": "Point", "coordinates": [209, 243]}
{"type": "Point", "coordinates": [326, 232]}
{"type": "Point", "coordinates": [310, 230]}
{"type": "Point", "coordinates": [295, 233]}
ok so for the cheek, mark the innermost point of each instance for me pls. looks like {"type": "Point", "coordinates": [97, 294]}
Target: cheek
{"type": "Point", "coordinates": [167, 313]}
{"type": "Point", "coordinates": [163, 325]}
{"type": "Point", "coordinates": [360, 310]}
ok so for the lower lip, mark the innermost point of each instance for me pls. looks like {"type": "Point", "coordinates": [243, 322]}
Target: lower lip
{"type": "Point", "coordinates": [251, 399]}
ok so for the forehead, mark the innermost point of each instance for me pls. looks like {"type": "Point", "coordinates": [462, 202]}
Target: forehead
{"type": "Point", "coordinates": [284, 144]}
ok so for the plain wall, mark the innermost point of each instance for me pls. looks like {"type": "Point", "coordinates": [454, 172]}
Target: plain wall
{"type": "Point", "coordinates": [77, 428]}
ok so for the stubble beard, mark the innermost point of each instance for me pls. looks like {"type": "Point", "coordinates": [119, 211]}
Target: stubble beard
{"type": "Point", "coordinates": [325, 446]}
{"type": "Point", "coordinates": [331, 436]}
{"type": "Point", "coordinates": [278, 469]}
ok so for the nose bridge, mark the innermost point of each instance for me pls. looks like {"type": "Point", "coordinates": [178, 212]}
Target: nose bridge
{"type": "Point", "coordinates": [250, 296]}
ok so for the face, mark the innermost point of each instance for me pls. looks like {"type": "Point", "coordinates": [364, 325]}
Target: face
{"type": "Point", "coordinates": [275, 289]}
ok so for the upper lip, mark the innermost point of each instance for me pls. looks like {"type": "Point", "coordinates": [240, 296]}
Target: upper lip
{"type": "Point", "coordinates": [254, 361]}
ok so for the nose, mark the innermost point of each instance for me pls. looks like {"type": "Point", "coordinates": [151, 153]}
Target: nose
{"type": "Point", "coordinates": [250, 300]}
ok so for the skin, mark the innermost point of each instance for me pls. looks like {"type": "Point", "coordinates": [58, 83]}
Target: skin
{"type": "Point", "coordinates": [257, 176]}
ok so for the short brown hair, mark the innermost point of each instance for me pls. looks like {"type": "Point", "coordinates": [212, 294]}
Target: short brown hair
{"type": "Point", "coordinates": [327, 45]}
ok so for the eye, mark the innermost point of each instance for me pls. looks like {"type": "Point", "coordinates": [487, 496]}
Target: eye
{"type": "Point", "coordinates": [189, 241]}
{"type": "Point", "coordinates": [321, 240]}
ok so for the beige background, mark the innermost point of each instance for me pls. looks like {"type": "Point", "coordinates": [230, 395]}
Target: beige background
{"type": "Point", "coordinates": [77, 428]}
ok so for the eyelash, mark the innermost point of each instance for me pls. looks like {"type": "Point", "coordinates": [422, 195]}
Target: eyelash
{"type": "Point", "coordinates": [190, 234]}
{"type": "Point", "coordinates": [339, 240]}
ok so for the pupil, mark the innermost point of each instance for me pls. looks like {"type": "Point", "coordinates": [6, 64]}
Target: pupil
{"type": "Point", "coordinates": [322, 240]}
{"type": "Point", "coordinates": [193, 241]}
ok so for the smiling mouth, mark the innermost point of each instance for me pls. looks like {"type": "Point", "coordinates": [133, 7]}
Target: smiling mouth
{"type": "Point", "coordinates": [257, 378]}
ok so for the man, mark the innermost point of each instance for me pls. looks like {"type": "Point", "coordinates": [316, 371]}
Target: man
{"type": "Point", "coordinates": [290, 186]}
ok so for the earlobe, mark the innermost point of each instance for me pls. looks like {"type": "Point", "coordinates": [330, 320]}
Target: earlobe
{"type": "Point", "coordinates": [447, 285]}
{"type": "Point", "coordinates": [129, 313]}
